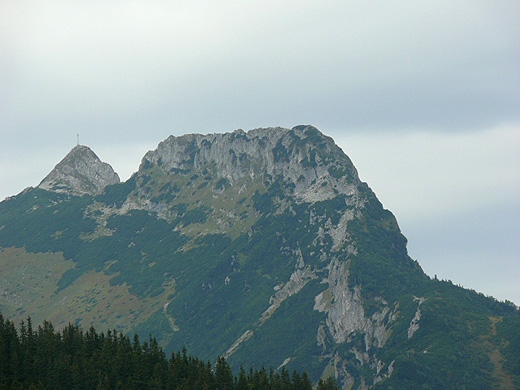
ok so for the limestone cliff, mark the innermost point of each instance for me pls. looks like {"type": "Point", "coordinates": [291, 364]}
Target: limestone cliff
{"type": "Point", "coordinates": [312, 162]}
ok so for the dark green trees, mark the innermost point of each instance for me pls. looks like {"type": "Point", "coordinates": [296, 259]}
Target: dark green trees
{"type": "Point", "coordinates": [73, 359]}
{"type": "Point", "coordinates": [327, 384]}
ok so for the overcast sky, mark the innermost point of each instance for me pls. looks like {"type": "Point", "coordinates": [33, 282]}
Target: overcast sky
{"type": "Point", "coordinates": [423, 96]}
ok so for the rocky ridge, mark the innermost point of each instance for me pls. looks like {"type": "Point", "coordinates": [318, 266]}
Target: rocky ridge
{"type": "Point", "coordinates": [312, 162]}
{"type": "Point", "coordinates": [217, 170]}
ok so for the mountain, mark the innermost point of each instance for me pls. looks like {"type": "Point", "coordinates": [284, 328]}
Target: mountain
{"type": "Point", "coordinates": [261, 246]}
{"type": "Point", "coordinates": [80, 172]}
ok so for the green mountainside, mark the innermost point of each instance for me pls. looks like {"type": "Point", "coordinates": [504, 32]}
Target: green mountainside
{"type": "Point", "coordinates": [263, 247]}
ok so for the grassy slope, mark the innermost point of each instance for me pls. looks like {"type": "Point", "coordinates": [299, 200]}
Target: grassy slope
{"type": "Point", "coordinates": [29, 287]}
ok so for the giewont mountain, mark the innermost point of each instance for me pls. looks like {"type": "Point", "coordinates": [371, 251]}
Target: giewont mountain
{"type": "Point", "coordinates": [80, 172]}
{"type": "Point", "coordinates": [262, 246]}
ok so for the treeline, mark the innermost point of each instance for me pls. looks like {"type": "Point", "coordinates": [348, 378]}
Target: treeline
{"type": "Point", "coordinates": [44, 358]}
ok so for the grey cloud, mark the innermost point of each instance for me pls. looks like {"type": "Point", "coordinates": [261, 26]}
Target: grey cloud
{"type": "Point", "coordinates": [452, 65]}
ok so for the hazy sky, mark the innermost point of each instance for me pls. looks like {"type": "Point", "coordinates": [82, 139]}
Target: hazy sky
{"type": "Point", "coordinates": [423, 96]}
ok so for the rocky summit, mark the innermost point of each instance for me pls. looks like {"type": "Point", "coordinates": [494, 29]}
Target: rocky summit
{"type": "Point", "coordinates": [263, 247]}
{"type": "Point", "coordinates": [80, 172]}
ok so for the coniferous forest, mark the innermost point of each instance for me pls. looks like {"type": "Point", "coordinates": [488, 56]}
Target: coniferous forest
{"type": "Point", "coordinates": [44, 358]}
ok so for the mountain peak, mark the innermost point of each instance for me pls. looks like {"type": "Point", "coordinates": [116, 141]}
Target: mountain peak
{"type": "Point", "coordinates": [310, 163]}
{"type": "Point", "coordinates": [80, 172]}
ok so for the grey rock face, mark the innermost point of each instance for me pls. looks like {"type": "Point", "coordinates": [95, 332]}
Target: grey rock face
{"type": "Point", "coordinates": [80, 172]}
{"type": "Point", "coordinates": [302, 155]}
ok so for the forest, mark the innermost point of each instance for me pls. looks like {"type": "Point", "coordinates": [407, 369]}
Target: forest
{"type": "Point", "coordinates": [45, 358]}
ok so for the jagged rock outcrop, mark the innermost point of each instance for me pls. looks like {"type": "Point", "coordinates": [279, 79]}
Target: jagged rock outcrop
{"type": "Point", "coordinates": [312, 162]}
{"type": "Point", "coordinates": [80, 172]}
